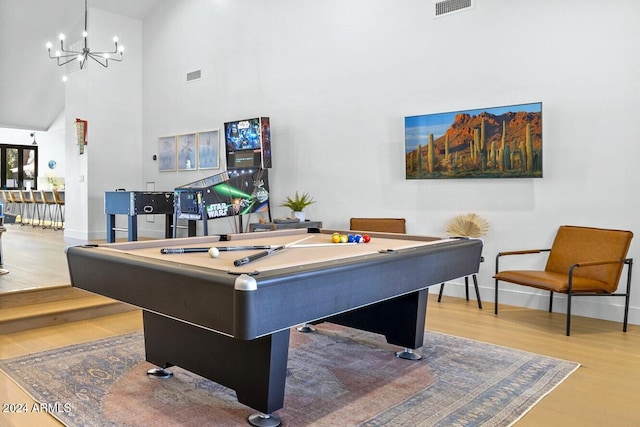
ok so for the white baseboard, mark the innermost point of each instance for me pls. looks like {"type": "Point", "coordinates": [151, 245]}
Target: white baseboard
{"type": "Point", "coordinates": [605, 308]}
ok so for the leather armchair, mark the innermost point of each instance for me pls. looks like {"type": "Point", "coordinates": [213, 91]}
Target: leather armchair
{"type": "Point", "coordinates": [583, 261]}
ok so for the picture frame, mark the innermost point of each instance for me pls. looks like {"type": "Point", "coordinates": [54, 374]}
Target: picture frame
{"type": "Point", "coordinates": [495, 142]}
{"type": "Point", "coordinates": [167, 153]}
{"type": "Point", "coordinates": [209, 149]}
{"type": "Point", "coordinates": [187, 152]}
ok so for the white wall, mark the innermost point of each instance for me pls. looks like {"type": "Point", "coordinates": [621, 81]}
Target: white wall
{"type": "Point", "coordinates": [338, 77]}
{"type": "Point", "coordinates": [110, 99]}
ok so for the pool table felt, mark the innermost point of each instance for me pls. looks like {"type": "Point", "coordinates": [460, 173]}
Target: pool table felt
{"type": "Point", "coordinates": [288, 257]}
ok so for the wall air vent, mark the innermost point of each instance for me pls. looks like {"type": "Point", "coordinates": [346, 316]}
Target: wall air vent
{"type": "Point", "coordinates": [194, 75]}
{"type": "Point", "coordinates": [447, 7]}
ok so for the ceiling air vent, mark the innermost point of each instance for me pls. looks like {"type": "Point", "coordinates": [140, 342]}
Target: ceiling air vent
{"type": "Point", "coordinates": [447, 7]}
{"type": "Point", "coordinates": [194, 75]}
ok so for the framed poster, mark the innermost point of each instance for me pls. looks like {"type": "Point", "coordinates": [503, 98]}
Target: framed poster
{"type": "Point", "coordinates": [209, 149]}
{"type": "Point", "coordinates": [187, 152]}
{"type": "Point", "coordinates": [167, 153]}
{"type": "Point", "coordinates": [497, 142]}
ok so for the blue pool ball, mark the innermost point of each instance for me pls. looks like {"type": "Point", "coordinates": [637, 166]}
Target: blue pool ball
{"type": "Point", "coordinates": [351, 238]}
{"type": "Point", "coordinates": [359, 239]}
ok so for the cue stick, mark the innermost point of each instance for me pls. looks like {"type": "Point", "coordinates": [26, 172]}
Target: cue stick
{"type": "Point", "coordinates": [319, 245]}
{"type": "Point", "coordinates": [220, 248]}
{"type": "Point", "coordinates": [248, 259]}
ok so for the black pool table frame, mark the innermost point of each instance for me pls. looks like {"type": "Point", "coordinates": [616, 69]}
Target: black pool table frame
{"type": "Point", "coordinates": [234, 329]}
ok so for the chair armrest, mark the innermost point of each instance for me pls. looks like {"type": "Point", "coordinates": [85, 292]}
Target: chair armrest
{"type": "Point", "coordinates": [522, 252]}
{"type": "Point", "coordinates": [627, 261]}
{"type": "Point", "coordinates": [592, 263]}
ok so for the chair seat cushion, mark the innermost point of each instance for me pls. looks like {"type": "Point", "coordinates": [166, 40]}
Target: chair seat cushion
{"type": "Point", "coordinates": [551, 281]}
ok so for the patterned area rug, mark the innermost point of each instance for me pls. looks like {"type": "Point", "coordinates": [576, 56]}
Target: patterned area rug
{"type": "Point", "coordinates": [336, 376]}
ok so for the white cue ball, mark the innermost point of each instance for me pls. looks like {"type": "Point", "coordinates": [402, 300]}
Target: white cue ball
{"type": "Point", "coordinates": [214, 252]}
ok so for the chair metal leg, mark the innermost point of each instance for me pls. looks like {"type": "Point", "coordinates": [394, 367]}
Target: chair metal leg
{"type": "Point", "coordinates": [466, 287]}
{"type": "Point", "coordinates": [475, 284]}
{"type": "Point", "coordinates": [495, 308]}
{"type": "Point", "coordinates": [46, 213]}
{"type": "Point", "coordinates": [629, 263]}
{"type": "Point", "coordinates": [550, 301]}
{"type": "Point", "coordinates": [466, 283]}
{"type": "Point", "coordinates": [569, 314]}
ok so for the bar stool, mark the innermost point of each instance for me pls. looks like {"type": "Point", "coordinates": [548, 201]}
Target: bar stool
{"type": "Point", "coordinates": [16, 197]}
{"type": "Point", "coordinates": [38, 206]}
{"type": "Point", "coordinates": [59, 199]}
{"type": "Point", "coordinates": [28, 205]}
{"type": "Point", "coordinates": [49, 208]}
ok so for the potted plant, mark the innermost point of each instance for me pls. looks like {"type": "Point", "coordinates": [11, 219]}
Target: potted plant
{"type": "Point", "coordinates": [297, 204]}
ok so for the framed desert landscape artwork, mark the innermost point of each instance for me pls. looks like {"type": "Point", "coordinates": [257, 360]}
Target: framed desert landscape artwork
{"type": "Point", "coordinates": [497, 142]}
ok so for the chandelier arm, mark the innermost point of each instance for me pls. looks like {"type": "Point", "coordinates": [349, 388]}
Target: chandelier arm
{"type": "Point", "coordinates": [71, 58]}
{"type": "Point", "coordinates": [67, 53]}
{"type": "Point", "coordinates": [98, 59]}
{"type": "Point", "coordinates": [64, 57]}
{"type": "Point", "coordinates": [102, 53]}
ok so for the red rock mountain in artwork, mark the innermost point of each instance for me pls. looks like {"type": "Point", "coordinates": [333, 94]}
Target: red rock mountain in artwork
{"type": "Point", "coordinates": [461, 131]}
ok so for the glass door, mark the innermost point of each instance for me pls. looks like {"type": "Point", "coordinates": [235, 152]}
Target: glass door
{"type": "Point", "coordinates": [18, 167]}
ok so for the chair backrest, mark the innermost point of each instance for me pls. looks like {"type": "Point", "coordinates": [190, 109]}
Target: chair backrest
{"type": "Point", "coordinates": [48, 198]}
{"type": "Point", "coordinates": [16, 196]}
{"type": "Point", "coordinates": [26, 196]}
{"type": "Point", "coordinates": [58, 197]}
{"type": "Point", "coordinates": [36, 196]}
{"type": "Point", "coordinates": [382, 225]}
{"type": "Point", "coordinates": [574, 244]}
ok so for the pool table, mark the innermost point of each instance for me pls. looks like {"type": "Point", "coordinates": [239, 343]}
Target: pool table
{"type": "Point", "coordinates": [230, 322]}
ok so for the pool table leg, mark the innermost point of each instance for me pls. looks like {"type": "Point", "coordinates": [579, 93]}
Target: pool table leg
{"type": "Point", "coordinates": [255, 369]}
{"type": "Point", "coordinates": [401, 320]}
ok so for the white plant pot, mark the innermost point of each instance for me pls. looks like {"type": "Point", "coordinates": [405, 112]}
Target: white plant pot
{"type": "Point", "coordinates": [299, 214]}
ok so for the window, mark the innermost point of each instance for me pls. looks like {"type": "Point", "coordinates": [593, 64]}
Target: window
{"type": "Point", "coordinates": [19, 166]}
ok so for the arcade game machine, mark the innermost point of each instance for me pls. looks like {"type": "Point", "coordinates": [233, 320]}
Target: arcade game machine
{"type": "Point", "coordinates": [229, 194]}
{"type": "Point", "coordinates": [242, 190]}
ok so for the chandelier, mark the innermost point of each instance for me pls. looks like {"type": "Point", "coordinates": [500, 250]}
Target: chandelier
{"type": "Point", "coordinates": [64, 56]}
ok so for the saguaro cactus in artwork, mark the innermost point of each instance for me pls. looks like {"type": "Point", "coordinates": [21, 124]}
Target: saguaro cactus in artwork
{"type": "Point", "coordinates": [503, 143]}
{"type": "Point", "coordinates": [528, 148]}
{"type": "Point", "coordinates": [492, 155]}
{"type": "Point", "coordinates": [506, 157]}
{"type": "Point", "coordinates": [446, 146]}
{"type": "Point", "coordinates": [483, 146]}
{"type": "Point", "coordinates": [431, 154]}
{"type": "Point", "coordinates": [476, 143]}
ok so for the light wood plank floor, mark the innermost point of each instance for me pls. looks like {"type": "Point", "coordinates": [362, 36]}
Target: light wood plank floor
{"type": "Point", "coordinates": [34, 257]}
{"type": "Point", "coordinates": [603, 392]}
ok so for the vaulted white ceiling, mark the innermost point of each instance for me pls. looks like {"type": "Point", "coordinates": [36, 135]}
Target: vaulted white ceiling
{"type": "Point", "coordinates": [31, 93]}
